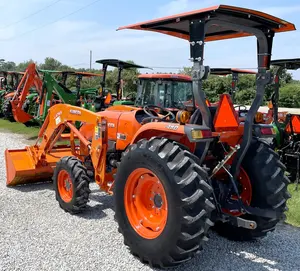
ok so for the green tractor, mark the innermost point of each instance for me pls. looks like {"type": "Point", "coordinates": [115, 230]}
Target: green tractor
{"type": "Point", "coordinates": [287, 126]}
{"type": "Point", "coordinates": [54, 92]}
{"type": "Point", "coordinates": [119, 99]}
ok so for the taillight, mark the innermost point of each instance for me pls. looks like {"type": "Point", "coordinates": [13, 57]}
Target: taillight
{"type": "Point", "coordinates": [267, 131]}
{"type": "Point", "coordinates": [261, 130]}
{"type": "Point", "coordinates": [198, 134]}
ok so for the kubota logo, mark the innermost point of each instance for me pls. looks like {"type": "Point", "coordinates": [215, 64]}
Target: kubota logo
{"type": "Point", "coordinates": [75, 112]}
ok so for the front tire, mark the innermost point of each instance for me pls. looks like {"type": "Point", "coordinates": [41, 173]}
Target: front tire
{"type": "Point", "coordinates": [269, 191]}
{"type": "Point", "coordinates": [183, 202]}
{"type": "Point", "coordinates": [71, 184]}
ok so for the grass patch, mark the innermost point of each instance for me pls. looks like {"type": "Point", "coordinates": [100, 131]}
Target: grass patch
{"type": "Point", "coordinates": [19, 128]}
{"type": "Point", "coordinates": [293, 214]}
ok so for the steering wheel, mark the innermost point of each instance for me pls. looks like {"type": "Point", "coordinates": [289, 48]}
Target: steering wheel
{"type": "Point", "coordinates": [132, 95]}
{"type": "Point", "coordinates": [147, 110]}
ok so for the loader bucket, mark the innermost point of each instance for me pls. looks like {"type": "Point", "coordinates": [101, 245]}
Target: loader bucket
{"type": "Point", "coordinates": [20, 115]}
{"type": "Point", "coordinates": [22, 169]}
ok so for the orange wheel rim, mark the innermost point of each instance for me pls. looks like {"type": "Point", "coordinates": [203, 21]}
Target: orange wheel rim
{"type": "Point", "coordinates": [146, 203]}
{"type": "Point", "coordinates": [245, 189]}
{"type": "Point", "coordinates": [65, 186]}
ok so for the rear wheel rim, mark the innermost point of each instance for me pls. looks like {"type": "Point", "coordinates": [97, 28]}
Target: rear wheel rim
{"type": "Point", "coordinates": [245, 190]}
{"type": "Point", "coordinates": [146, 203]}
{"type": "Point", "coordinates": [65, 186]}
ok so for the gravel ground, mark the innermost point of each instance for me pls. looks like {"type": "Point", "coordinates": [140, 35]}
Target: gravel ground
{"type": "Point", "coordinates": [35, 234]}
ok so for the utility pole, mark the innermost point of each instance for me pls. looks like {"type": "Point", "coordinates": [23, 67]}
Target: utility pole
{"type": "Point", "coordinates": [91, 56]}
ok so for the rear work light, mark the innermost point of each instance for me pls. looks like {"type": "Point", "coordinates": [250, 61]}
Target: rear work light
{"type": "Point", "coordinates": [264, 131]}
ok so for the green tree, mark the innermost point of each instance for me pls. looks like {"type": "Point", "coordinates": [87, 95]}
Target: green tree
{"type": "Point", "coordinates": [289, 95]}
{"type": "Point", "coordinates": [21, 67]}
{"type": "Point", "coordinates": [50, 63]}
{"type": "Point", "coordinates": [7, 66]}
{"type": "Point", "coordinates": [186, 71]}
{"type": "Point", "coordinates": [245, 96]}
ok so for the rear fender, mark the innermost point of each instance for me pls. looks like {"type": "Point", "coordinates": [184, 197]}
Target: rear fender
{"type": "Point", "coordinates": [174, 132]}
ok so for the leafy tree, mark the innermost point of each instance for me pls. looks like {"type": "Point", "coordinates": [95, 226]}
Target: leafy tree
{"type": "Point", "coordinates": [21, 67]}
{"type": "Point", "coordinates": [245, 96]}
{"type": "Point", "coordinates": [7, 66]}
{"type": "Point", "coordinates": [289, 95]}
{"type": "Point", "coordinates": [186, 71]}
{"type": "Point", "coordinates": [50, 63]}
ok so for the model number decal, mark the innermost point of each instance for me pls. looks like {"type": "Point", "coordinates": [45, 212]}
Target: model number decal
{"type": "Point", "coordinates": [172, 127]}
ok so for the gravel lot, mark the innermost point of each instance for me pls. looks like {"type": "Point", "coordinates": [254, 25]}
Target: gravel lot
{"type": "Point", "coordinates": [35, 234]}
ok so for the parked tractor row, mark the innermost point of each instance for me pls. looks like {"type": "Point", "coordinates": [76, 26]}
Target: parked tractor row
{"type": "Point", "coordinates": [175, 164]}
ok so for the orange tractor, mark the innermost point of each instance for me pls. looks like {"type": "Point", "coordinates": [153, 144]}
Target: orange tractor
{"type": "Point", "coordinates": [172, 178]}
{"type": "Point", "coordinates": [30, 80]}
{"type": "Point", "coordinates": [8, 92]}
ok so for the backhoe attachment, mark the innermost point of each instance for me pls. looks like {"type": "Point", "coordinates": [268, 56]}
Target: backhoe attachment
{"type": "Point", "coordinates": [36, 163]}
{"type": "Point", "coordinates": [30, 79]}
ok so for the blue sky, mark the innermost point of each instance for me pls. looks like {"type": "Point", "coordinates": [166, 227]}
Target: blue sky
{"type": "Point", "coordinates": [70, 39]}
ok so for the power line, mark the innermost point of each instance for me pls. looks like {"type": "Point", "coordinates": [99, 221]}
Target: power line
{"type": "Point", "coordinates": [32, 14]}
{"type": "Point", "coordinates": [63, 17]}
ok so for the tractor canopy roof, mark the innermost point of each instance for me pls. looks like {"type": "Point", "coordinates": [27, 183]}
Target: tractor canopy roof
{"type": "Point", "coordinates": [290, 64]}
{"type": "Point", "coordinates": [168, 76]}
{"type": "Point", "coordinates": [179, 25]}
{"type": "Point", "coordinates": [89, 74]}
{"type": "Point", "coordinates": [57, 72]}
{"type": "Point", "coordinates": [226, 71]}
{"type": "Point", "coordinates": [119, 64]}
{"type": "Point", "coordinates": [14, 72]}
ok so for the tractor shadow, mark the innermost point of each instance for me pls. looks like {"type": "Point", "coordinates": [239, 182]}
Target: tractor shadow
{"type": "Point", "coordinates": [34, 187]}
{"type": "Point", "coordinates": [275, 252]}
{"type": "Point", "coordinates": [99, 203]}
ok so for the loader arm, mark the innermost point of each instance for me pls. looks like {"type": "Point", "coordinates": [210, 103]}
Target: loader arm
{"type": "Point", "coordinates": [51, 87]}
{"type": "Point", "coordinates": [37, 162]}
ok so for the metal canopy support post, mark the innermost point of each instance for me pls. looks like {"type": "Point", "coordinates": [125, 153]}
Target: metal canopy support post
{"type": "Point", "coordinates": [235, 79]}
{"type": "Point", "coordinates": [263, 77]}
{"type": "Point", "coordinates": [197, 36]}
{"type": "Point", "coordinates": [78, 86]}
{"type": "Point", "coordinates": [118, 84]}
{"type": "Point", "coordinates": [275, 99]}
{"type": "Point", "coordinates": [104, 69]}
{"type": "Point", "coordinates": [64, 78]}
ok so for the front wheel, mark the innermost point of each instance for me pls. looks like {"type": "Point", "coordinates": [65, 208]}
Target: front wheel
{"type": "Point", "coordinates": [71, 184]}
{"type": "Point", "coordinates": [162, 200]}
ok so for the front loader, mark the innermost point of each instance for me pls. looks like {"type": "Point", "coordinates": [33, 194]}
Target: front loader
{"type": "Point", "coordinates": [172, 178]}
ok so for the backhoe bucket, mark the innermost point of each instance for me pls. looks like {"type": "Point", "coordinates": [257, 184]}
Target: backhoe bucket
{"type": "Point", "coordinates": [22, 169]}
{"type": "Point", "coordinates": [20, 115]}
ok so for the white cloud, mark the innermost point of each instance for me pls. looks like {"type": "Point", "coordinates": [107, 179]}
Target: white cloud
{"type": "Point", "coordinates": [71, 40]}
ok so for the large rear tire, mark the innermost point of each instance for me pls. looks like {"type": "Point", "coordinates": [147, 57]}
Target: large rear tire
{"type": "Point", "coordinates": [71, 184]}
{"type": "Point", "coordinates": [269, 191]}
{"type": "Point", "coordinates": [7, 109]}
{"type": "Point", "coordinates": [162, 201]}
